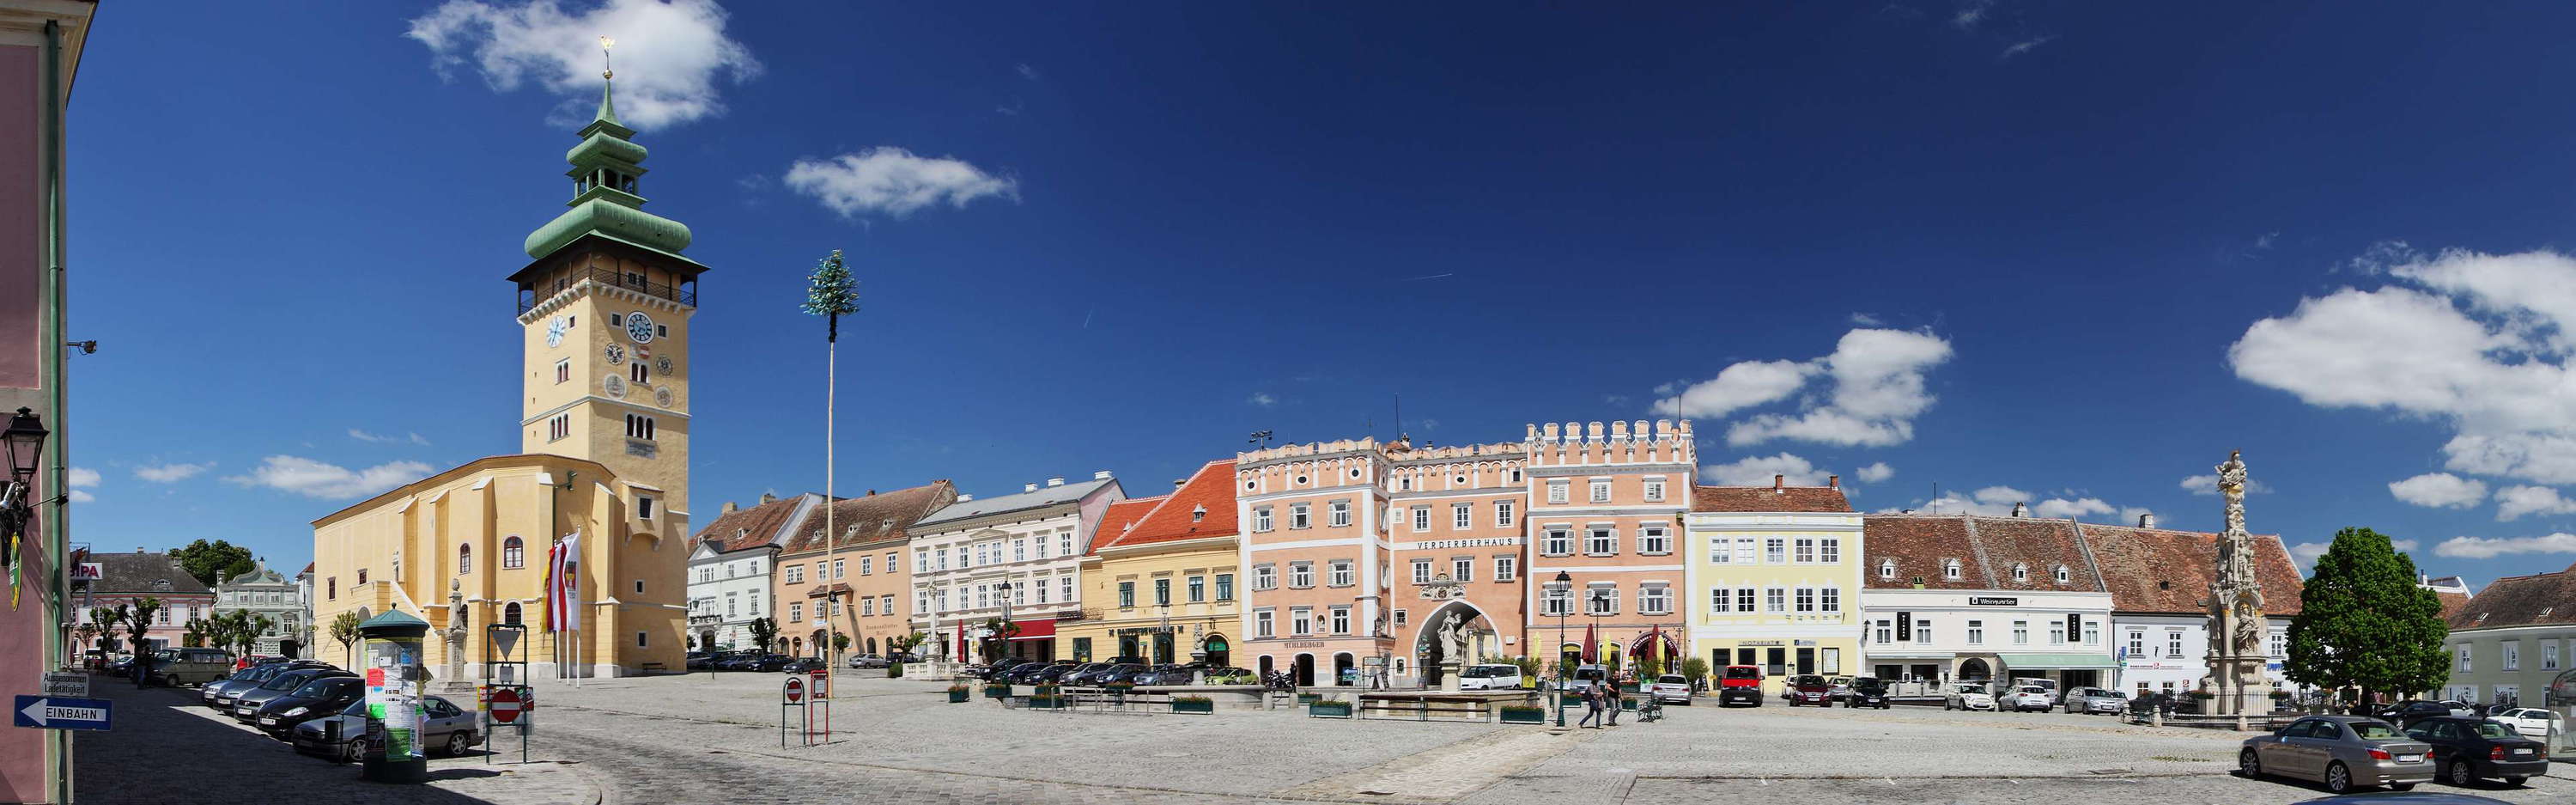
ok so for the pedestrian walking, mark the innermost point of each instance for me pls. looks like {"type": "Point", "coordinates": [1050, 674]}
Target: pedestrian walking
{"type": "Point", "coordinates": [1591, 707]}
{"type": "Point", "coordinates": [1611, 700]}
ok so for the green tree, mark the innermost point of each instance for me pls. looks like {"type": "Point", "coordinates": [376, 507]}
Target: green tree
{"type": "Point", "coordinates": [195, 633]}
{"type": "Point", "coordinates": [1002, 632]}
{"type": "Point", "coordinates": [1697, 669]}
{"type": "Point", "coordinates": [764, 632]}
{"type": "Point", "coordinates": [2363, 623]}
{"type": "Point", "coordinates": [840, 642]}
{"type": "Point", "coordinates": [137, 618]}
{"type": "Point", "coordinates": [345, 630]}
{"type": "Point", "coordinates": [904, 643]}
{"type": "Point", "coordinates": [214, 562]}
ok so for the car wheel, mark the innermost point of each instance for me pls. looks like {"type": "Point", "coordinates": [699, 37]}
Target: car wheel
{"type": "Point", "coordinates": [2338, 778]}
{"type": "Point", "coordinates": [2249, 764]}
{"type": "Point", "coordinates": [352, 752]}
{"type": "Point", "coordinates": [460, 742]}
{"type": "Point", "coordinates": [2462, 774]}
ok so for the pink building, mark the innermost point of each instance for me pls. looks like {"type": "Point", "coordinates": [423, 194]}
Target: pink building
{"type": "Point", "coordinates": [1606, 514]}
{"type": "Point", "coordinates": [1314, 544]}
{"type": "Point", "coordinates": [129, 577]}
{"type": "Point", "coordinates": [1456, 537]}
{"type": "Point", "coordinates": [40, 46]}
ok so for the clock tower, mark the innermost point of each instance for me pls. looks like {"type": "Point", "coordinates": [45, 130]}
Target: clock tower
{"type": "Point", "coordinates": [606, 308]}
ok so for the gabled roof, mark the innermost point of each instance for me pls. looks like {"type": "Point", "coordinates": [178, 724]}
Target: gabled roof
{"type": "Point", "coordinates": [872, 518]}
{"type": "Point", "coordinates": [147, 573]}
{"type": "Point", "coordinates": [1018, 501]}
{"type": "Point", "coordinates": [2546, 598]}
{"type": "Point", "coordinates": [2159, 570]}
{"type": "Point", "coordinates": [2452, 603]}
{"type": "Point", "coordinates": [1203, 506]}
{"type": "Point", "coordinates": [759, 526]}
{"type": "Point", "coordinates": [1986, 549]}
{"type": "Point", "coordinates": [1769, 499]}
{"type": "Point", "coordinates": [1120, 516]}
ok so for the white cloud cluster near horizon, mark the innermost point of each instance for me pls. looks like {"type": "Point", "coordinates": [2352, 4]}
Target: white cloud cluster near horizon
{"type": "Point", "coordinates": [1873, 387]}
{"type": "Point", "coordinates": [2440, 490]}
{"type": "Point", "coordinates": [318, 479]}
{"type": "Point", "coordinates": [671, 56]}
{"type": "Point", "coordinates": [1999, 500]}
{"type": "Point", "coordinates": [2307, 552]}
{"type": "Point", "coordinates": [2208, 485]}
{"type": "Point", "coordinates": [2516, 502]}
{"type": "Point", "coordinates": [895, 182]}
{"type": "Point", "coordinates": [2492, 547]}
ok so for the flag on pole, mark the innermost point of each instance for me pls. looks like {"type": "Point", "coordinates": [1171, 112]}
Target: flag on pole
{"type": "Point", "coordinates": [563, 584]}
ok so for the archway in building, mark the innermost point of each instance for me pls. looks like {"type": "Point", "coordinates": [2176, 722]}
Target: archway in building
{"type": "Point", "coordinates": [1457, 633]}
{"type": "Point", "coordinates": [1214, 651]}
{"type": "Point", "coordinates": [1163, 648]}
{"type": "Point", "coordinates": [1974, 669]}
{"type": "Point", "coordinates": [872, 646]}
{"type": "Point", "coordinates": [795, 645]}
{"type": "Point", "coordinates": [1303, 670]}
{"type": "Point", "coordinates": [1266, 669]}
{"type": "Point", "coordinates": [819, 642]}
{"type": "Point", "coordinates": [1346, 671]}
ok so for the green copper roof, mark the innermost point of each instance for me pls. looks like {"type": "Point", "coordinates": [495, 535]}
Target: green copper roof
{"type": "Point", "coordinates": [605, 169]}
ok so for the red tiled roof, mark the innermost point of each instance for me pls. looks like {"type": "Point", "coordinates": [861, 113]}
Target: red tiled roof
{"type": "Point", "coordinates": [2452, 603]}
{"type": "Point", "coordinates": [1124, 513]}
{"type": "Point", "coordinates": [873, 518]}
{"type": "Point", "coordinates": [2519, 601]}
{"type": "Point", "coordinates": [1769, 499]}
{"type": "Point", "coordinates": [1202, 507]}
{"type": "Point", "coordinates": [1985, 547]}
{"type": "Point", "coordinates": [2158, 570]}
{"type": "Point", "coordinates": [745, 528]}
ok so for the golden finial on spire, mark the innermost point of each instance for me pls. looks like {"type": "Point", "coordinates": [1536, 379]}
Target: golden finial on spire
{"type": "Point", "coordinates": [606, 70]}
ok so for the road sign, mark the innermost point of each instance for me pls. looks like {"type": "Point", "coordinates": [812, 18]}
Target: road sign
{"type": "Point", "coordinates": [795, 690]}
{"type": "Point", "coordinates": [503, 640]}
{"type": "Point", "coordinates": [73, 685]}
{"type": "Point", "coordinates": [505, 705]}
{"type": "Point", "coordinates": [61, 713]}
{"type": "Point", "coordinates": [822, 683]}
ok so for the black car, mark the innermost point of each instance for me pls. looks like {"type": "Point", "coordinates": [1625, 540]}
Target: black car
{"type": "Point", "coordinates": [1029, 673]}
{"type": "Point", "coordinates": [804, 664]}
{"type": "Point", "coordinates": [1122, 672]}
{"type": "Point", "coordinates": [246, 704]}
{"type": "Point", "coordinates": [2407, 713]}
{"type": "Point", "coordinates": [2467, 749]}
{"type": "Point", "coordinates": [1170, 674]}
{"type": "Point", "coordinates": [1866, 693]}
{"type": "Point", "coordinates": [700, 660]}
{"type": "Point", "coordinates": [769, 663]}
{"type": "Point", "coordinates": [318, 698]}
{"type": "Point", "coordinates": [994, 670]}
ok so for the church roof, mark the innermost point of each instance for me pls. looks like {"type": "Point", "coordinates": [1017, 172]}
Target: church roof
{"type": "Point", "coordinates": [611, 208]}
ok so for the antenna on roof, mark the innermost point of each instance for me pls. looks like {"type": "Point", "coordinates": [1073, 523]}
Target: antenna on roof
{"type": "Point", "coordinates": [1935, 502]}
{"type": "Point", "coordinates": [1399, 414]}
{"type": "Point", "coordinates": [1260, 437]}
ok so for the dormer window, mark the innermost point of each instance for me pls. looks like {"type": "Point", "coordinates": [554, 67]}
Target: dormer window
{"type": "Point", "coordinates": [1950, 569]}
{"type": "Point", "coordinates": [1198, 513]}
{"type": "Point", "coordinates": [2021, 572]}
{"type": "Point", "coordinates": [1887, 568]}
{"type": "Point", "coordinates": [2062, 575]}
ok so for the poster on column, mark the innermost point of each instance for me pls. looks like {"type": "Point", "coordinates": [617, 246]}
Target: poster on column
{"type": "Point", "coordinates": [393, 695]}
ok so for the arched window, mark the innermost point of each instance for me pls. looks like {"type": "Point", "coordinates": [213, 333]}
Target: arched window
{"type": "Point", "coordinates": [510, 614]}
{"type": "Point", "coordinates": [464, 559]}
{"type": "Point", "coordinates": [2021, 572]}
{"type": "Point", "coordinates": [1950, 569]}
{"type": "Point", "coordinates": [513, 553]}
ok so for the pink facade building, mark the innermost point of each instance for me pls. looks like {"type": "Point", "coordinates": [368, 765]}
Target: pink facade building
{"type": "Point", "coordinates": [1313, 523]}
{"type": "Point", "coordinates": [1605, 515]}
{"type": "Point", "coordinates": [1456, 536]}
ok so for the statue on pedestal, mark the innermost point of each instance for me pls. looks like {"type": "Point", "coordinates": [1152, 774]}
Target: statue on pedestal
{"type": "Point", "coordinates": [2236, 625]}
{"type": "Point", "coordinates": [456, 618]}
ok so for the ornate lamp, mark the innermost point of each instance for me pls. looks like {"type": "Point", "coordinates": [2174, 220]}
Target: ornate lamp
{"type": "Point", "coordinates": [26, 441]}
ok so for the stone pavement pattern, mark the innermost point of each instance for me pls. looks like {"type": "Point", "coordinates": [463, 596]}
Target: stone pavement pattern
{"type": "Point", "coordinates": [166, 748]}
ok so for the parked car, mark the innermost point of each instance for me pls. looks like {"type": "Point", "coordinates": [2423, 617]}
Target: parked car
{"type": "Point", "coordinates": [2096, 700]}
{"type": "Point", "coordinates": [1867, 692]}
{"type": "Point", "coordinates": [244, 662]}
{"type": "Point", "coordinates": [2343, 752]}
{"type": "Point", "coordinates": [1083, 674]}
{"type": "Point", "coordinates": [1054, 673]}
{"type": "Point", "coordinates": [1740, 684]}
{"type": "Point", "coordinates": [190, 666]}
{"type": "Point", "coordinates": [869, 661]}
{"type": "Point", "coordinates": [1489, 677]}
{"type": "Point", "coordinates": [1588, 675]}
{"type": "Point", "coordinates": [801, 665]}
{"type": "Point", "coordinates": [444, 727]}
{"type": "Point", "coordinates": [698, 660]}
{"type": "Point", "coordinates": [1673, 688]}
{"type": "Point", "coordinates": [1808, 689]}
{"type": "Point", "coordinates": [2026, 698]}
{"type": "Point", "coordinates": [2532, 722]}
{"type": "Point", "coordinates": [2044, 684]}
{"type": "Point", "coordinates": [246, 705]}
{"type": "Point", "coordinates": [1838, 687]}
{"type": "Point", "coordinates": [1967, 696]}
{"type": "Point", "coordinates": [1122, 672]}
{"type": "Point", "coordinates": [220, 695]}
{"type": "Point", "coordinates": [2466, 750]}
{"type": "Point", "coordinates": [318, 698]}
{"type": "Point", "coordinates": [2406, 713]}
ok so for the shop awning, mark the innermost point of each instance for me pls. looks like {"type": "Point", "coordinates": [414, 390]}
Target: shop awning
{"type": "Point", "coordinates": [1041, 629]}
{"type": "Point", "coordinates": [2020, 661]}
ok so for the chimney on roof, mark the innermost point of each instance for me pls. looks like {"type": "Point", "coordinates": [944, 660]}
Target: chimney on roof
{"type": "Point", "coordinates": [962, 497]}
{"type": "Point", "coordinates": [766, 498]}
{"type": "Point", "coordinates": [1028, 487]}
{"type": "Point", "coordinates": [1777, 481]}
{"type": "Point", "coordinates": [2147, 520]}
{"type": "Point", "coordinates": [138, 549]}
{"type": "Point", "coordinates": [1102, 475]}
{"type": "Point", "coordinates": [1179, 482]}
{"type": "Point", "coordinates": [872, 493]}
{"type": "Point", "coordinates": [2020, 510]}
{"type": "Point", "coordinates": [731, 507]}
{"type": "Point", "coordinates": [1056, 481]}
{"type": "Point", "coordinates": [1833, 482]}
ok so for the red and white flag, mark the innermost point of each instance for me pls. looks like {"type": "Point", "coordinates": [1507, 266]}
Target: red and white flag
{"type": "Point", "coordinates": [563, 584]}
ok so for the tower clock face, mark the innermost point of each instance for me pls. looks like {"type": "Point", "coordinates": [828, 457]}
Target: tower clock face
{"type": "Point", "coordinates": [639, 327]}
{"type": "Point", "coordinates": [555, 332]}
{"type": "Point", "coordinates": [616, 353]}
{"type": "Point", "coordinates": [662, 396]}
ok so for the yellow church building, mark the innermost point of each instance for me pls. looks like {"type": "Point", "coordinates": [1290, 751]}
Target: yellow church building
{"type": "Point", "coordinates": [605, 308]}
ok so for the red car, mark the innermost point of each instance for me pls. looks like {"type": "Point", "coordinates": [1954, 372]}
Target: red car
{"type": "Point", "coordinates": [1809, 689]}
{"type": "Point", "coordinates": [1740, 683]}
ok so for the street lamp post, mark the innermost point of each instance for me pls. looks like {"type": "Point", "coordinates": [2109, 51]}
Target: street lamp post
{"type": "Point", "coordinates": [1002, 636]}
{"type": "Point", "coordinates": [1561, 590]}
{"type": "Point", "coordinates": [1596, 606]}
{"type": "Point", "coordinates": [25, 438]}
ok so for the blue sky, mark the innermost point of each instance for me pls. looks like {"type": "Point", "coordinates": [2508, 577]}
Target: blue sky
{"type": "Point", "coordinates": [2064, 253]}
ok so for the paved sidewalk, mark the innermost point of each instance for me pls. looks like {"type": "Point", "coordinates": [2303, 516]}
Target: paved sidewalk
{"type": "Point", "coordinates": [167, 748]}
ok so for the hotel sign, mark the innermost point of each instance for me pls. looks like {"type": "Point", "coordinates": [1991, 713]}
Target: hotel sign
{"type": "Point", "coordinates": [1993, 601]}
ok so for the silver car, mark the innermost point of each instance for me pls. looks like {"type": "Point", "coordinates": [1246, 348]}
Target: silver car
{"type": "Point", "coordinates": [443, 728]}
{"type": "Point", "coordinates": [2343, 752]}
{"type": "Point", "coordinates": [2096, 700]}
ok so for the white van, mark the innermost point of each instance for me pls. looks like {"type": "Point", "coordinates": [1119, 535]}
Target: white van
{"type": "Point", "coordinates": [1489, 677]}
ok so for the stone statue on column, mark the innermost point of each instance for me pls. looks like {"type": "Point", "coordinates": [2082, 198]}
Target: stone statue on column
{"type": "Point", "coordinates": [2237, 628]}
{"type": "Point", "coordinates": [456, 619]}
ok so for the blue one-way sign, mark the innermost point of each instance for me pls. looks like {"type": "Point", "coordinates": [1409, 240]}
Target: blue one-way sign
{"type": "Point", "coordinates": [57, 713]}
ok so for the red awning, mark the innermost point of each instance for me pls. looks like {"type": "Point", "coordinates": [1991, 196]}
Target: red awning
{"type": "Point", "coordinates": [1035, 630]}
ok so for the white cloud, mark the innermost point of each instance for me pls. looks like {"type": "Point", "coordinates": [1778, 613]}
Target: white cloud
{"type": "Point", "coordinates": [167, 473]}
{"type": "Point", "coordinates": [1877, 389]}
{"type": "Point", "coordinates": [2404, 544]}
{"type": "Point", "coordinates": [2492, 547]}
{"type": "Point", "coordinates": [2477, 342]}
{"type": "Point", "coordinates": [2208, 485]}
{"type": "Point", "coordinates": [2024, 46]}
{"type": "Point", "coordinates": [80, 477]}
{"type": "Point", "coordinates": [1027, 72]}
{"type": "Point", "coordinates": [2441, 489]}
{"type": "Point", "coordinates": [1263, 399]}
{"type": "Point", "coordinates": [1875, 473]}
{"type": "Point", "coordinates": [2513, 502]}
{"type": "Point", "coordinates": [1999, 500]}
{"type": "Point", "coordinates": [2003, 495]}
{"type": "Point", "coordinates": [893, 181]}
{"type": "Point", "coordinates": [78, 496]}
{"type": "Point", "coordinates": [1757, 471]}
{"type": "Point", "coordinates": [2077, 508]}
{"type": "Point", "coordinates": [1866, 320]}
{"type": "Point", "coordinates": [671, 55]}
{"type": "Point", "coordinates": [410, 438]}
{"type": "Point", "coordinates": [2264, 241]}
{"type": "Point", "coordinates": [1970, 13]}
{"type": "Point", "coordinates": [316, 479]}
{"type": "Point", "coordinates": [2307, 552]}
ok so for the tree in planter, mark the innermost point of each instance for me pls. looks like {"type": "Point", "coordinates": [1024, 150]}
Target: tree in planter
{"type": "Point", "coordinates": [840, 643]}
{"type": "Point", "coordinates": [1529, 669]}
{"type": "Point", "coordinates": [195, 636]}
{"type": "Point", "coordinates": [345, 630]}
{"type": "Point", "coordinates": [1002, 631]}
{"type": "Point", "coordinates": [764, 632]}
{"type": "Point", "coordinates": [2363, 623]}
{"type": "Point", "coordinates": [1649, 667]}
{"type": "Point", "coordinates": [902, 644]}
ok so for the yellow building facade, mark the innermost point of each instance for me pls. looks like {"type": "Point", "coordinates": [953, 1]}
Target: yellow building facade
{"type": "Point", "coordinates": [1161, 578]}
{"type": "Point", "coordinates": [1775, 580]}
{"type": "Point", "coordinates": [604, 310]}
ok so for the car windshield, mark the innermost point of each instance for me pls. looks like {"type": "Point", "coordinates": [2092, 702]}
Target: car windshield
{"type": "Point", "coordinates": [1807, 680]}
{"type": "Point", "coordinates": [318, 689]}
{"type": "Point", "coordinates": [2374, 730]}
{"type": "Point", "coordinates": [284, 682]}
{"type": "Point", "coordinates": [356, 708]}
{"type": "Point", "coordinates": [1972, 690]}
{"type": "Point", "coordinates": [1743, 673]}
{"type": "Point", "coordinates": [1673, 679]}
{"type": "Point", "coordinates": [2490, 729]}
{"type": "Point", "coordinates": [1482, 672]}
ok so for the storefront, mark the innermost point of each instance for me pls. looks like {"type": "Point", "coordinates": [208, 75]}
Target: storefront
{"type": "Point", "coordinates": [1781, 658]}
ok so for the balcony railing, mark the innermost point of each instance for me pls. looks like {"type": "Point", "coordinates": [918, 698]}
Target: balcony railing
{"type": "Point", "coordinates": [686, 295]}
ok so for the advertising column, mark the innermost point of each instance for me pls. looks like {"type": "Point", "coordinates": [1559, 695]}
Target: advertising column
{"type": "Point", "coordinates": [394, 675]}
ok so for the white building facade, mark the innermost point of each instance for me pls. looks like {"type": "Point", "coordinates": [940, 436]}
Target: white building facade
{"type": "Point", "coordinates": [1033, 541]}
{"type": "Point", "coordinates": [271, 595]}
{"type": "Point", "coordinates": [729, 568]}
{"type": "Point", "coordinates": [1976, 635]}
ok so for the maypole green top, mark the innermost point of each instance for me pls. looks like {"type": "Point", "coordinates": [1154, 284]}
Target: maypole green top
{"type": "Point", "coordinates": [606, 168]}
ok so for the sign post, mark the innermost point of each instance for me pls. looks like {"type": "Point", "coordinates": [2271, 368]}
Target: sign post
{"type": "Point", "coordinates": [506, 669]}
{"type": "Point", "coordinates": [819, 692]}
{"type": "Point", "coordinates": [792, 695]}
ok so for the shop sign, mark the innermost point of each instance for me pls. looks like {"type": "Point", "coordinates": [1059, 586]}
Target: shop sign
{"type": "Point", "coordinates": [1756, 643]}
{"type": "Point", "coordinates": [1993, 601]}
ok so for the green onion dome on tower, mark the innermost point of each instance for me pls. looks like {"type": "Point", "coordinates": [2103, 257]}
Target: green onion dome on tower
{"type": "Point", "coordinates": [606, 168]}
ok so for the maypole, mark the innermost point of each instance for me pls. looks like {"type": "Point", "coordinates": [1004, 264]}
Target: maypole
{"type": "Point", "coordinates": [831, 294]}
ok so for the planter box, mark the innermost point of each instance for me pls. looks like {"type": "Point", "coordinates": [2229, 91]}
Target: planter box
{"type": "Point", "coordinates": [956, 696]}
{"type": "Point", "coordinates": [1324, 709]}
{"type": "Point", "coordinates": [1534, 716]}
{"type": "Point", "coordinates": [1630, 687]}
{"type": "Point", "coordinates": [1570, 699]}
{"type": "Point", "coordinates": [1629, 705]}
{"type": "Point", "coordinates": [1046, 702]}
{"type": "Point", "coordinates": [1193, 707]}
